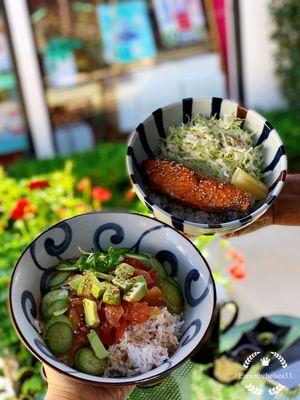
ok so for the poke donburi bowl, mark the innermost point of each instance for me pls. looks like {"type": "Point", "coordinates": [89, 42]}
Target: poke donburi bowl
{"type": "Point", "coordinates": [99, 231]}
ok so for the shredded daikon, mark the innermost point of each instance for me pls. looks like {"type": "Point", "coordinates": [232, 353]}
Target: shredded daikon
{"type": "Point", "coordinates": [214, 147]}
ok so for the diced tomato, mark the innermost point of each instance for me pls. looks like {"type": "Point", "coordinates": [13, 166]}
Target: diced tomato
{"type": "Point", "coordinates": [106, 333]}
{"type": "Point", "coordinates": [101, 311]}
{"type": "Point", "coordinates": [135, 263]}
{"type": "Point", "coordinates": [121, 329]}
{"type": "Point", "coordinates": [146, 275]}
{"type": "Point", "coordinates": [154, 297]}
{"type": "Point", "coordinates": [75, 311]}
{"type": "Point", "coordinates": [136, 313]}
{"type": "Point", "coordinates": [75, 317]}
{"type": "Point", "coordinates": [113, 314]}
{"type": "Point", "coordinates": [79, 340]}
{"type": "Point", "coordinates": [84, 329]}
{"type": "Point", "coordinates": [154, 276]}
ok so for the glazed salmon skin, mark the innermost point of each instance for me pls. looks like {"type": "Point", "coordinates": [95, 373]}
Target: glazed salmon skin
{"type": "Point", "coordinates": [193, 189]}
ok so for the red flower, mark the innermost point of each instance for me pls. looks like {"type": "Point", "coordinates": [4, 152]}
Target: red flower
{"type": "Point", "coordinates": [38, 185]}
{"type": "Point", "coordinates": [130, 194]}
{"type": "Point", "coordinates": [84, 184]}
{"type": "Point", "coordinates": [235, 255]}
{"type": "Point", "coordinates": [20, 209]}
{"type": "Point", "coordinates": [237, 271]}
{"type": "Point", "coordinates": [100, 194]}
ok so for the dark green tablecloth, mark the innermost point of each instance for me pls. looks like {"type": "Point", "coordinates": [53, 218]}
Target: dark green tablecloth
{"type": "Point", "coordinates": [188, 382]}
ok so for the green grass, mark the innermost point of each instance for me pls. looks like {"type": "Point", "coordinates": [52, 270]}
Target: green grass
{"type": "Point", "coordinates": [287, 124]}
{"type": "Point", "coordinates": [105, 163]}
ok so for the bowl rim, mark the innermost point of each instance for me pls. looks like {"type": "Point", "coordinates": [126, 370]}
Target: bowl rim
{"type": "Point", "coordinates": [163, 374]}
{"type": "Point", "coordinates": [236, 223]}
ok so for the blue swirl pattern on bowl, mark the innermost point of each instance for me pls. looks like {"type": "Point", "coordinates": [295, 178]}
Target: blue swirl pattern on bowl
{"type": "Point", "coordinates": [144, 143]}
{"type": "Point", "coordinates": [100, 231]}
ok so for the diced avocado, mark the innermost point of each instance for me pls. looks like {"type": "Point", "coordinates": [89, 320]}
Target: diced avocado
{"type": "Point", "coordinates": [139, 278]}
{"type": "Point", "coordinates": [98, 288]}
{"type": "Point", "coordinates": [90, 313]}
{"type": "Point", "coordinates": [124, 270]}
{"type": "Point", "coordinates": [136, 293]}
{"type": "Point", "coordinates": [103, 276]}
{"type": "Point", "coordinates": [112, 295]}
{"type": "Point", "coordinates": [85, 286]}
{"type": "Point", "coordinates": [75, 282]}
{"type": "Point", "coordinates": [122, 284]}
{"type": "Point", "coordinates": [97, 345]}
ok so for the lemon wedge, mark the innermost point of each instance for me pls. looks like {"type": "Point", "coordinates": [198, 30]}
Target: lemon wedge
{"type": "Point", "coordinates": [246, 182]}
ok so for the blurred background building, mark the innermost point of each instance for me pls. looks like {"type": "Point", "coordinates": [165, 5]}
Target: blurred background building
{"type": "Point", "coordinates": [75, 73]}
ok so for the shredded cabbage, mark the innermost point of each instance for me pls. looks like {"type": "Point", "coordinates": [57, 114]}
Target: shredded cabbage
{"type": "Point", "coordinates": [214, 147]}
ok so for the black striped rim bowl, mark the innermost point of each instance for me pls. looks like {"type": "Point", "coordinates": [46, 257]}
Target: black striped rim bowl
{"type": "Point", "coordinates": [144, 142]}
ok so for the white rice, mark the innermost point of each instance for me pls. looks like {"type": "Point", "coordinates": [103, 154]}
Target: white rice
{"type": "Point", "coordinates": [144, 346]}
{"type": "Point", "coordinates": [190, 214]}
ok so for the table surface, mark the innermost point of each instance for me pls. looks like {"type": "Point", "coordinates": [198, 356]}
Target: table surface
{"type": "Point", "coordinates": [188, 382]}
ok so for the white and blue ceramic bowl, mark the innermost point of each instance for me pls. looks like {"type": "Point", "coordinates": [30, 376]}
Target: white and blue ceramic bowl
{"type": "Point", "coordinates": [100, 231]}
{"type": "Point", "coordinates": [144, 143]}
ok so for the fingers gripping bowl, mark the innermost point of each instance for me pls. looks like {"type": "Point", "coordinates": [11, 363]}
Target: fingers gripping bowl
{"type": "Point", "coordinates": [206, 166]}
{"type": "Point", "coordinates": [36, 270]}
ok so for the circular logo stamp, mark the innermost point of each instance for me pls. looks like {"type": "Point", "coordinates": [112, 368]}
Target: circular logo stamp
{"type": "Point", "coordinates": [265, 362]}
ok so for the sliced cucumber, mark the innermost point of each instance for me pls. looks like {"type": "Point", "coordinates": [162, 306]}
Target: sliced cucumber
{"type": "Point", "coordinates": [87, 362]}
{"type": "Point", "coordinates": [98, 347]}
{"type": "Point", "coordinates": [143, 258]}
{"type": "Point", "coordinates": [150, 262]}
{"type": "Point", "coordinates": [54, 309]}
{"type": "Point", "coordinates": [172, 295]}
{"type": "Point", "coordinates": [158, 267]}
{"type": "Point", "coordinates": [174, 282]}
{"type": "Point", "coordinates": [67, 267]}
{"type": "Point", "coordinates": [58, 279]}
{"type": "Point", "coordinates": [59, 312]}
{"type": "Point", "coordinates": [54, 320]}
{"type": "Point", "coordinates": [59, 338]}
{"type": "Point", "coordinates": [54, 295]}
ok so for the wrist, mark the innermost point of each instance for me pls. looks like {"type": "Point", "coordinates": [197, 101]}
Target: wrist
{"type": "Point", "coordinates": [287, 210]}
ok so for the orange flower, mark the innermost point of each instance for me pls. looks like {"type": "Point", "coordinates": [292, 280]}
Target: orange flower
{"type": "Point", "coordinates": [233, 254]}
{"type": "Point", "coordinates": [237, 271]}
{"type": "Point", "coordinates": [84, 184]}
{"type": "Point", "coordinates": [100, 194]}
{"type": "Point", "coordinates": [130, 194]}
{"type": "Point", "coordinates": [22, 208]}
